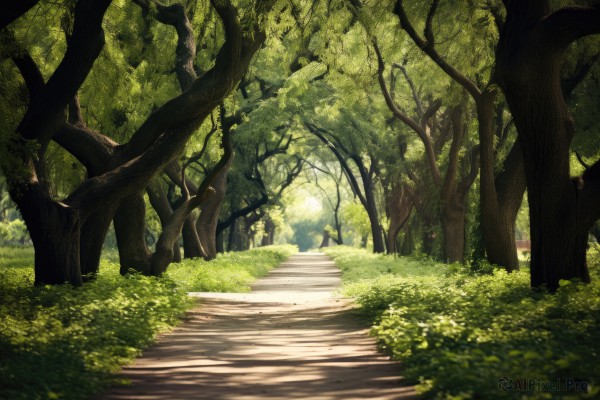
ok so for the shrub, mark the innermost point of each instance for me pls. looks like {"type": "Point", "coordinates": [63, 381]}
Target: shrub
{"type": "Point", "coordinates": [458, 334]}
{"type": "Point", "coordinates": [65, 342]}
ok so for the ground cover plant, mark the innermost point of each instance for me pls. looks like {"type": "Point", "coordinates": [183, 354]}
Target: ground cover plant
{"type": "Point", "coordinates": [61, 342]}
{"type": "Point", "coordinates": [461, 335]}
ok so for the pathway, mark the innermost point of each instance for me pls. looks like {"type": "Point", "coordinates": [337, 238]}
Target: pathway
{"type": "Point", "coordinates": [291, 338]}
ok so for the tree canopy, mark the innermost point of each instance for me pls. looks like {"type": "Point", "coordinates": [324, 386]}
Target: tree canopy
{"type": "Point", "coordinates": [195, 124]}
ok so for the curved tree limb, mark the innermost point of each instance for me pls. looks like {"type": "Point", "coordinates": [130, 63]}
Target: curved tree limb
{"type": "Point", "coordinates": [429, 48]}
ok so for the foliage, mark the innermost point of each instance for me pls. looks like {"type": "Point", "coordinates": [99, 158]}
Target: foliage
{"type": "Point", "coordinates": [64, 342]}
{"type": "Point", "coordinates": [356, 216]}
{"type": "Point", "coordinates": [458, 334]}
{"type": "Point", "coordinates": [229, 272]}
{"type": "Point", "coordinates": [13, 232]}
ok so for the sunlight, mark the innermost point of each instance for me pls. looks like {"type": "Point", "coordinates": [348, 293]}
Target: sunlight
{"type": "Point", "coordinates": [312, 205]}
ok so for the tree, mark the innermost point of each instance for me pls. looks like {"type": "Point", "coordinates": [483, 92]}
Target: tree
{"type": "Point", "coordinates": [56, 226]}
{"type": "Point", "coordinates": [529, 57]}
{"type": "Point", "coordinates": [500, 193]}
{"type": "Point", "coordinates": [452, 188]}
{"type": "Point", "coordinates": [335, 174]}
{"type": "Point", "coordinates": [345, 150]}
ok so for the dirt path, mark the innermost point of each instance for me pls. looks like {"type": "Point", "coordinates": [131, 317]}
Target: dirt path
{"type": "Point", "coordinates": [291, 338]}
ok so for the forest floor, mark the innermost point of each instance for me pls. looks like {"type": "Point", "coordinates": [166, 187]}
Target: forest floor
{"type": "Point", "coordinates": [290, 338]}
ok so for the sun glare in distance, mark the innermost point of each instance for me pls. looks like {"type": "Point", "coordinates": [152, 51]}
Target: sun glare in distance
{"type": "Point", "coordinates": [312, 205]}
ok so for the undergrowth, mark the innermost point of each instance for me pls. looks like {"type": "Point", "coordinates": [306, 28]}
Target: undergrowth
{"type": "Point", "coordinates": [229, 272]}
{"type": "Point", "coordinates": [461, 335]}
{"type": "Point", "coordinates": [60, 342]}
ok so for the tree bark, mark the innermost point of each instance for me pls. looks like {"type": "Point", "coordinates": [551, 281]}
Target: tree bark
{"type": "Point", "coordinates": [500, 195]}
{"type": "Point", "coordinates": [93, 234]}
{"type": "Point", "coordinates": [129, 223]}
{"type": "Point", "coordinates": [55, 231]}
{"type": "Point", "coordinates": [192, 248]}
{"type": "Point", "coordinates": [376, 231]}
{"type": "Point", "coordinates": [453, 226]}
{"type": "Point", "coordinates": [400, 207]}
{"type": "Point", "coordinates": [206, 224]}
{"type": "Point", "coordinates": [163, 254]}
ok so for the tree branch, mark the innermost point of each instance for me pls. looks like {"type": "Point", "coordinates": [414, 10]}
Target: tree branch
{"type": "Point", "coordinates": [428, 32]}
{"type": "Point", "coordinates": [14, 10]}
{"type": "Point", "coordinates": [176, 16]}
{"type": "Point", "coordinates": [568, 24]}
{"type": "Point", "coordinates": [417, 128]}
{"type": "Point", "coordinates": [429, 49]}
{"type": "Point", "coordinates": [92, 149]}
{"type": "Point", "coordinates": [412, 86]}
{"type": "Point", "coordinates": [83, 49]}
{"type": "Point", "coordinates": [27, 67]}
{"type": "Point", "coordinates": [349, 174]}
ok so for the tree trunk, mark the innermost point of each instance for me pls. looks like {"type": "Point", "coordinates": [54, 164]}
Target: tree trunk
{"type": "Point", "coordinates": [191, 242]}
{"type": "Point", "coordinates": [57, 255]}
{"type": "Point", "coordinates": [453, 226]}
{"type": "Point", "coordinates": [500, 196]}
{"type": "Point", "coordinates": [220, 242]}
{"type": "Point", "coordinates": [562, 211]}
{"type": "Point", "coordinates": [428, 233]}
{"type": "Point", "coordinates": [596, 231]}
{"type": "Point", "coordinates": [363, 241]}
{"type": "Point", "coordinates": [93, 234]}
{"type": "Point", "coordinates": [269, 234]}
{"type": "Point", "coordinates": [408, 244]}
{"type": "Point", "coordinates": [55, 231]}
{"type": "Point", "coordinates": [232, 236]}
{"type": "Point", "coordinates": [325, 241]}
{"type": "Point", "coordinates": [163, 254]}
{"type": "Point", "coordinates": [206, 224]}
{"type": "Point", "coordinates": [160, 202]}
{"type": "Point", "coordinates": [376, 231]}
{"type": "Point", "coordinates": [338, 228]}
{"type": "Point", "coordinates": [399, 206]}
{"type": "Point", "coordinates": [129, 223]}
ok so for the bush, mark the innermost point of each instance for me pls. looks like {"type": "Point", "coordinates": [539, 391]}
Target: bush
{"type": "Point", "coordinates": [64, 342]}
{"type": "Point", "coordinates": [458, 334]}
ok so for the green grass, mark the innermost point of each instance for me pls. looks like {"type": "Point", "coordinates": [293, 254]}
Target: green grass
{"type": "Point", "coordinates": [457, 334]}
{"type": "Point", "coordinates": [60, 342]}
{"type": "Point", "coordinates": [229, 272]}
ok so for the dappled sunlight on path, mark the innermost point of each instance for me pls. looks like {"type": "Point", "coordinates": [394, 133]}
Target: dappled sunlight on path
{"type": "Point", "coordinates": [291, 338]}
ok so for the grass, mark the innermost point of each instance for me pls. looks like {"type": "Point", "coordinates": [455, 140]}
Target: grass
{"type": "Point", "coordinates": [60, 342]}
{"type": "Point", "coordinates": [229, 272]}
{"type": "Point", "coordinates": [461, 336]}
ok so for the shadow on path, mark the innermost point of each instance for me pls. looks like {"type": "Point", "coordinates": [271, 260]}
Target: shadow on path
{"type": "Point", "coordinates": [288, 339]}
